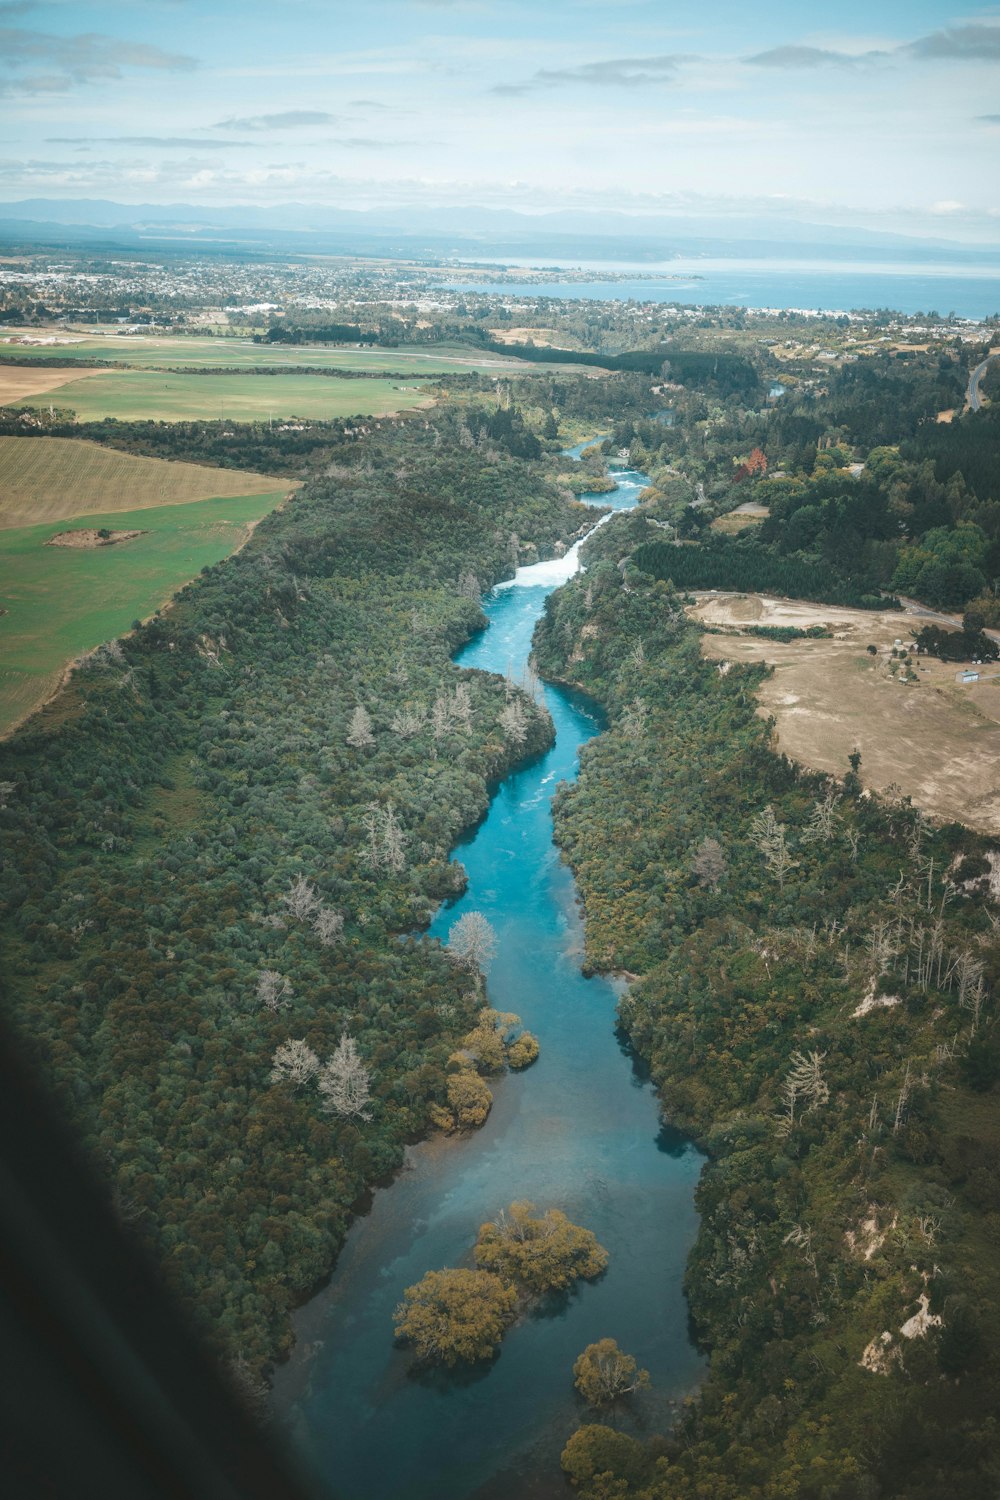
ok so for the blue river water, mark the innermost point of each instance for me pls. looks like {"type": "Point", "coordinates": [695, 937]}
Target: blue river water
{"type": "Point", "coordinates": [580, 1131]}
{"type": "Point", "coordinates": [967, 291]}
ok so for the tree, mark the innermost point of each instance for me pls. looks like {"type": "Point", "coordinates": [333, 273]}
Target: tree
{"type": "Point", "coordinates": [595, 1452]}
{"type": "Point", "coordinates": [514, 722]}
{"type": "Point", "coordinates": [484, 1043]}
{"type": "Point", "coordinates": [603, 1374]}
{"type": "Point", "coordinates": [345, 1082]}
{"type": "Point", "coordinates": [328, 925]}
{"type": "Point", "coordinates": [709, 863]}
{"type": "Point", "coordinates": [273, 989]}
{"type": "Point", "coordinates": [301, 900]}
{"type": "Point", "coordinates": [523, 1051]}
{"type": "Point", "coordinates": [769, 836]}
{"type": "Point", "coordinates": [544, 1252]}
{"type": "Point", "coordinates": [804, 1081]}
{"type": "Point", "coordinates": [469, 1099]}
{"type": "Point", "coordinates": [455, 1316]}
{"type": "Point", "coordinates": [386, 846]}
{"type": "Point", "coordinates": [633, 720]}
{"type": "Point", "coordinates": [822, 819]}
{"type": "Point", "coordinates": [360, 735]}
{"type": "Point", "coordinates": [472, 942]}
{"type": "Point", "coordinates": [294, 1063]}
{"type": "Point", "coordinates": [408, 721]}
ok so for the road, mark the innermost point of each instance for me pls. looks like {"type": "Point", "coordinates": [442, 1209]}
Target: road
{"type": "Point", "coordinates": [914, 607]}
{"type": "Point", "coordinates": [973, 400]}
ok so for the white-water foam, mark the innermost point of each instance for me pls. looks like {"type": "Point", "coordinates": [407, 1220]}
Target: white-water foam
{"type": "Point", "coordinates": [557, 570]}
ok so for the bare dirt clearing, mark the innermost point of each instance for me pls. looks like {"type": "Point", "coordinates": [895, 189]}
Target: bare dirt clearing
{"type": "Point", "coordinates": [937, 740]}
{"type": "Point", "coordinates": [87, 536]}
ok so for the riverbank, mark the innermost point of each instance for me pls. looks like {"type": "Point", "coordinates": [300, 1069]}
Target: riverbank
{"type": "Point", "coordinates": [839, 1081]}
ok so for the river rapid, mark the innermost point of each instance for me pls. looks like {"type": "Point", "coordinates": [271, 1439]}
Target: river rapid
{"type": "Point", "coordinates": [580, 1131]}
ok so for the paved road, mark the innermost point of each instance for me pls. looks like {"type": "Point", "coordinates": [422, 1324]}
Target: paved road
{"type": "Point", "coordinates": [914, 607]}
{"type": "Point", "coordinates": [972, 397]}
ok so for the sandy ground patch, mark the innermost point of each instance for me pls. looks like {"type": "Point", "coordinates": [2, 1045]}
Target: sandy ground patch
{"type": "Point", "coordinates": [17, 382]}
{"type": "Point", "coordinates": [946, 416]}
{"type": "Point", "coordinates": [87, 536]}
{"type": "Point", "coordinates": [937, 740]}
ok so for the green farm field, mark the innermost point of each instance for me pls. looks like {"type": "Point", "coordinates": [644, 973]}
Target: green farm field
{"type": "Point", "coordinates": [145, 351]}
{"type": "Point", "coordinates": [61, 601]}
{"type": "Point", "coordinates": [52, 479]}
{"type": "Point", "coordinates": [143, 395]}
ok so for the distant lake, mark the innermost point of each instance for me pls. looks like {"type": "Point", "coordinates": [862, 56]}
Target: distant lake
{"type": "Point", "coordinates": [968, 291]}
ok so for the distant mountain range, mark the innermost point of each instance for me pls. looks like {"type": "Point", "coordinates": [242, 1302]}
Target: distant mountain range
{"type": "Point", "coordinates": [431, 233]}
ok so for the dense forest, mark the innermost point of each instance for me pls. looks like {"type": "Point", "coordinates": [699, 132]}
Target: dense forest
{"type": "Point", "coordinates": [215, 836]}
{"type": "Point", "coordinates": [812, 968]}
{"type": "Point", "coordinates": [857, 490]}
{"type": "Point", "coordinates": [225, 836]}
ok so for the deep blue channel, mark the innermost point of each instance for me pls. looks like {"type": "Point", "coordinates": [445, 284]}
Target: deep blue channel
{"type": "Point", "coordinates": [580, 1131]}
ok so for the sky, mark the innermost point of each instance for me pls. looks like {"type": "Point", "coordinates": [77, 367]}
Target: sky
{"type": "Point", "coordinates": [883, 115]}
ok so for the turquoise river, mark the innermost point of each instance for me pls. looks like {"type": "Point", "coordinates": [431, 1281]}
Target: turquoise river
{"type": "Point", "coordinates": [580, 1131]}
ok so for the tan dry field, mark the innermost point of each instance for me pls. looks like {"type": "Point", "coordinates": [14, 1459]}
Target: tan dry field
{"type": "Point", "coordinates": [18, 382]}
{"type": "Point", "coordinates": [938, 741]}
{"type": "Point", "coordinates": [54, 479]}
{"type": "Point", "coordinates": [738, 520]}
{"type": "Point", "coordinates": [545, 337]}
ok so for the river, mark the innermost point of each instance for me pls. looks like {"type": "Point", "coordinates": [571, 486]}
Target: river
{"type": "Point", "coordinates": [580, 1131]}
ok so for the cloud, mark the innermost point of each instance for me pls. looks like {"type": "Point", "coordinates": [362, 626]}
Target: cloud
{"type": "Point", "coordinates": [609, 72]}
{"type": "Point", "coordinates": [87, 58]}
{"type": "Point", "coordinates": [808, 57]}
{"type": "Point", "coordinates": [973, 43]}
{"type": "Point", "coordinates": [988, 119]}
{"type": "Point", "coordinates": [142, 140]}
{"type": "Point", "coordinates": [288, 119]}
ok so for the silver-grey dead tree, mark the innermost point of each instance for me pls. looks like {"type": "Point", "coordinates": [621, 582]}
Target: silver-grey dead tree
{"type": "Point", "coordinates": [472, 941]}
{"type": "Point", "coordinates": [360, 735]}
{"type": "Point", "coordinates": [769, 835]}
{"type": "Point", "coordinates": [328, 925]}
{"type": "Point", "coordinates": [273, 989]}
{"type": "Point", "coordinates": [345, 1082]}
{"type": "Point", "coordinates": [709, 863]}
{"type": "Point", "coordinates": [823, 819]}
{"type": "Point", "coordinates": [634, 719]}
{"type": "Point", "coordinates": [294, 1062]}
{"type": "Point", "coordinates": [386, 846]}
{"type": "Point", "coordinates": [301, 900]}
{"type": "Point", "coordinates": [805, 1081]}
{"type": "Point", "coordinates": [409, 720]}
{"type": "Point", "coordinates": [514, 722]}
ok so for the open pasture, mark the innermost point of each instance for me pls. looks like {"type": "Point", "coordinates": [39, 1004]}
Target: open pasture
{"type": "Point", "coordinates": [164, 351]}
{"type": "Point", "coordinates": [18, 383]}
{"type": "Point", "coordinates": [154, 395]}
{"type": "Point", "coordinates": [937, 740]}
{"type": "Point", "coordinates": [52, 479]}
{"type": "Point", "coordinates": [58, 602]}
